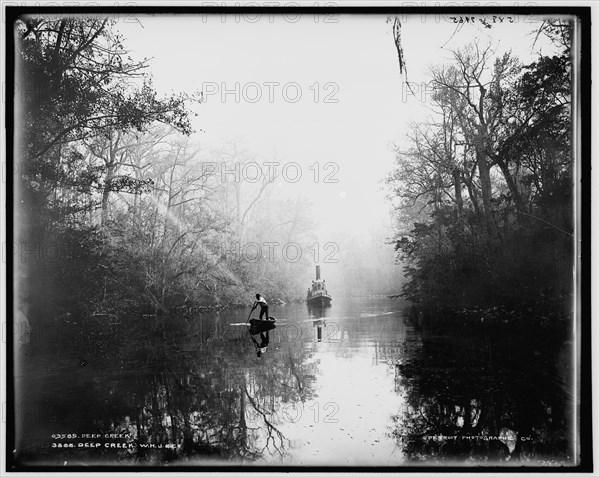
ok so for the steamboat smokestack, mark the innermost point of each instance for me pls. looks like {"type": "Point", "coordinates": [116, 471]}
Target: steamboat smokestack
{"type": "Point", "coordinates": [318, 272]}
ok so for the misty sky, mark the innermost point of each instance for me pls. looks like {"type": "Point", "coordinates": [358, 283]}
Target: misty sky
{"type": "Point", "coordinates": [312, 89]}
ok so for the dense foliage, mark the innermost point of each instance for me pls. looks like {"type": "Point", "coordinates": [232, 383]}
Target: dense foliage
{"type": "Point", "coordinates": [120, 209]}
{"type": "Point", "coordinates": [487, 183]}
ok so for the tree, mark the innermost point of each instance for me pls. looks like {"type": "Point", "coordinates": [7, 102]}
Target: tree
{"type": "Point", "coordinates": [85, 87]}
{"type": "Point", "coordinates": [503, 138]}
{"type": "Point", "coordinates": [88, 95]}
{"type": "Point", "coordinates": [475, 101]}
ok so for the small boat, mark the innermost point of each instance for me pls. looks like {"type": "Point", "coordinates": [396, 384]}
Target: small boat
{"type": "Point", "coordinates": [261, 326]}
{"type": "Point", "coordinates": [317, 294]}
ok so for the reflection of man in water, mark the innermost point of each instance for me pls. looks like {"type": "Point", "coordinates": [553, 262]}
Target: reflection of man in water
{"type": "Point", "coordinates": [264, 342]}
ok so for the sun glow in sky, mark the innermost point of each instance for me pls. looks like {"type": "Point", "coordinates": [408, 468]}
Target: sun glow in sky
{"type": "Point", "coordinates": [322, 92]}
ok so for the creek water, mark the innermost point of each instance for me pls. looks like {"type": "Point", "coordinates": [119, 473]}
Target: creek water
{"type": "Point", "coordinates": [359, 383]}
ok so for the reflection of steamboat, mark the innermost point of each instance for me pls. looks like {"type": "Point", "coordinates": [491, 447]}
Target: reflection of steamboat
{"type": "Point", "coordinates": [317, 294]}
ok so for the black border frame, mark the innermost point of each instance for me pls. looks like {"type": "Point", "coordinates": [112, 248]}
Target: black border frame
{"type": "Point", "coordinates": [12, 13]}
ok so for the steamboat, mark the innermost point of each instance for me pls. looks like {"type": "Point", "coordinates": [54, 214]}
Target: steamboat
{"type": "Point", "coordinates": [317, 294]}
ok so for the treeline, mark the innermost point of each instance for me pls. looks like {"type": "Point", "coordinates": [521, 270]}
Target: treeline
{"type": "Point", "coordinates": [486, 183]}
{"type": "Point", "coordinates": [119, 208]}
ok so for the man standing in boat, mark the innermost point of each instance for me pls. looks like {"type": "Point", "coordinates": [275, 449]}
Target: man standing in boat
{"type": "Point", "coordinates": [264, 308]}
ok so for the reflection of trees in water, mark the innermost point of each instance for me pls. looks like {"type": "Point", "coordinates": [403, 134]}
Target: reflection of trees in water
{"type": "Point", "coordinates": [187, 392]}
{"type": "Point", "coordinates": [213, 397]}
{"type": "Point", "coordinates": [480, 397]}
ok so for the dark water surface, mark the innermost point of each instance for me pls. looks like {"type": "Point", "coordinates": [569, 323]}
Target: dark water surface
{"type": "Point", "coordinates": [359, 383]}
